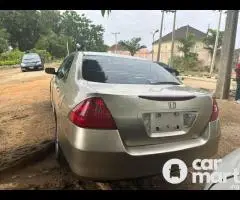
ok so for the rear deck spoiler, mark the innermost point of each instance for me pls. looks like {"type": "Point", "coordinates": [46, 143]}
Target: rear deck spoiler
{"type": "Point", "coordinates": [168, 98]}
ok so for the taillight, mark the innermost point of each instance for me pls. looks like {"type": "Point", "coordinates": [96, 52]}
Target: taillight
{"type": "Point", "coordinates": [215, 110]}
{"type": "Point", "coordinates": [92, 113]}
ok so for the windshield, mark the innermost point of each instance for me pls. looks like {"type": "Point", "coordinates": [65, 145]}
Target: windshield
{"type": "Point", "coordinates": [31, 57]}
{"type": "Point", "coordinates": [118, 70]}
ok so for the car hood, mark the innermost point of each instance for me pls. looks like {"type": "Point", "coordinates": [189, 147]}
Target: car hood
{"type": "Point", "coordinates": [228, 164]}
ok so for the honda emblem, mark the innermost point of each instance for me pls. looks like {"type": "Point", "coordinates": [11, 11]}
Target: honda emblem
{"type": "Point", "coordinates": [172, 105]}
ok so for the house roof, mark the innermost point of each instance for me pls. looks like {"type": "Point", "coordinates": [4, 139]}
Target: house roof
{"type": "Point", "coordinates": [181, 33]}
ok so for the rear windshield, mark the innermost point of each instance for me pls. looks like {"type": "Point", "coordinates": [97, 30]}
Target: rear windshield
{"type": "Point", "coordinates": [31, 57]}
{"type": "Point", "coordinates": [118, 70]}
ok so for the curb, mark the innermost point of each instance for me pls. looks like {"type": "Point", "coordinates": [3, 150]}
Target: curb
{"type": "Point", "coordinates": [200, 79]}
{"type": "Point", "coordinates": [34, 153]}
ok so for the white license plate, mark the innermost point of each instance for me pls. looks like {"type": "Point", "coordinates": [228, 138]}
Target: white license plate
{"type": "Point", "coordinates": [163, 122]}
{"type": "Point", "coordinates": [31, 67]}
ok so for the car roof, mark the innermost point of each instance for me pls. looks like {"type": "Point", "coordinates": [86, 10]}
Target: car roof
{"type": "Point", "coordinates": [89, 53]}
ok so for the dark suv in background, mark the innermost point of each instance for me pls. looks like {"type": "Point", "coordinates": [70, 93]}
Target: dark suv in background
{"type": "Point", "coordinates": [31, 61]}
{"type": "Point", "coordinates": [169, 69]}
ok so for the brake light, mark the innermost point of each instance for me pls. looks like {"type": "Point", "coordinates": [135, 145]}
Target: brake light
{"type": "Point", "coordinates": [215, 110]}
{"type": "Point", "coordinates": [92, 113]}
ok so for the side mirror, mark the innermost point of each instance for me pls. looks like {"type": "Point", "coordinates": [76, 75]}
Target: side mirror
{"type": "Point", "coordinates": [50, 71]}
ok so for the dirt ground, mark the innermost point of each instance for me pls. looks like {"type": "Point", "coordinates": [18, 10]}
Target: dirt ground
{"type": "Point", "coordinates": [26, 118]}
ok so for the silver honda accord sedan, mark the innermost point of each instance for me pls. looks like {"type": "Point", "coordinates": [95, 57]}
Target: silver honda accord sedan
{"type": "Point", "coordinates": [120, 117]}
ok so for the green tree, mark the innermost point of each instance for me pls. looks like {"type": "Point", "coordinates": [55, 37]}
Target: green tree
{"type": "Point", "coordinates": [30, 28]}
{"type": "Point", "coordinates": [132, 45]}
{"type": "Point", "coordinates": [50, 20]}
{"type": "Point", "coordinates": [103, 12]}
{"type": "Point", "coordinates": [209, 41]}
{"type": "Point", "coordinates": [55, 44]}
{"type": "Point", "coordinates": [186, 45]}
{"type": "Point", "coordinates": [23, 27]}
{"type": "Point", "coordinates": [190, 60]}
{"type": "Point", "coordinates": [82, 31]}
{"type": "Point", "coordinates": [3, 40]}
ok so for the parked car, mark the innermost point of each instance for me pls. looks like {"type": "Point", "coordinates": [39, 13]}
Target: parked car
{"type": "Point", "coordinates": [31, 61]}
{"type": "Point", "coordinates": [228, 164]}
{"type": "Point", "coordinates": [121, 117]}
{"type": "Point", "coordinates": [169, 69]}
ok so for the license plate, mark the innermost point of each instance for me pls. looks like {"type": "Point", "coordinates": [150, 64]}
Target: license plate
{"type": "Point", "coordinates": [31, 67]}
{"type": "Point", "coordinates": [163, 122]}
{"type": "Point", "coordinates": [166, 122]}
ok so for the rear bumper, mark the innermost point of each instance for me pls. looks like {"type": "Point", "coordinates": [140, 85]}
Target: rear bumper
{"type": "Point", "coordinates": [107, 158]}
{"type": "Point", "coordinates": [32, 67]}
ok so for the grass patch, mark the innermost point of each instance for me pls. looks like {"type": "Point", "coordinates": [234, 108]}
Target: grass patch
{"type": "Point", "coordinates": [8, 67]}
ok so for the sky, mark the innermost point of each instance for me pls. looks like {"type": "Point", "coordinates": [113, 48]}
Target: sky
{"type": "Point", "coordinates": [140, 23]}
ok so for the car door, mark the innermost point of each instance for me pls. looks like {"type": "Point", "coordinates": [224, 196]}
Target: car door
{"type": "Point", "coordinates": [55, 85]}
{"type": "Point", "coordinates": [59, 88]}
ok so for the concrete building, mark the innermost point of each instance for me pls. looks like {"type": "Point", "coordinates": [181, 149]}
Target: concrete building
{"type": "Point", "coordinates": [180, 33]}
{"type": "Point", "coordinates": [142, 53]}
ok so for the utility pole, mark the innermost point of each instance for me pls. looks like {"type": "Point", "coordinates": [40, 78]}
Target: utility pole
{"type": "Point", "coordinates": [216, 44]}
{"type": "Point", "coordinates": [208, 28]}
{"type": "Point", "coordinates": [173, 37]}
{"type": "Point", "coordinates": [67, 49]}
{"type": "Point", "coordinates": [187, 31]}
{"type": "Point", "coordinates": [226, 59]}
{"type": "Point", "coordinates": [160, 37]}
{"type": "Point", "coordinates": [116, 33]}
{"type": "Point", "coordinates": [153, 41]}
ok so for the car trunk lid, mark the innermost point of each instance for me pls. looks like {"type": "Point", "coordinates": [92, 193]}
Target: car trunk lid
{"type": "Point", "coordinates": [155, 114]}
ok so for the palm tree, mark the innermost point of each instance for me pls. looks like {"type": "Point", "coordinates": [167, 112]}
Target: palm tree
{"type": "Point", "coordinates": [105, 11]}
{"type": "Point", "coordinates": [132, 45]}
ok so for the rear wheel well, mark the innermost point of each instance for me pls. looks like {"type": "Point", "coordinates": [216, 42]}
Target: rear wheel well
{"type": "Point", "coordinates": [59, 155]}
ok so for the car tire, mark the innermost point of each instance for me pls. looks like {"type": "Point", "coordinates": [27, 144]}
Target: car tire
{"type": "Point", "coordinates": [23, 70]}
{"type": "Point", "coordinates": [58, 153]}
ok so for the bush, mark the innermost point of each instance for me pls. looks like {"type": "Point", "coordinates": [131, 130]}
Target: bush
{"type": "Point", "coordinates": [186, 63]}
{"type": "Point", "coordinates": [45, 55]}
{"type": "Point", "coordinates": [177, 63]}
{"type": "Point", "coordinates": [14, 57]}
{"type": "Point", "coordinates": [8, 62]}
{"type": "Point", "coordinates": [11, 57]}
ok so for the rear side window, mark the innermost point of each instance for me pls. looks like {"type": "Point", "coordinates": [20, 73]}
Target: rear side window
{"type": "Point", "coordinates": [31, 57]}
{"type": "Point", "coordinates": [117, 70]}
